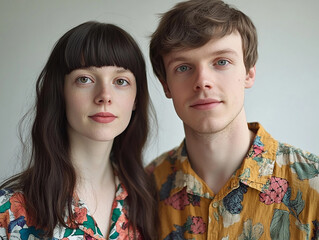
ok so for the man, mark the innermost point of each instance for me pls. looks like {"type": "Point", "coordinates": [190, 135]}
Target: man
{"type": "Point", "coordinates": [228, 179]}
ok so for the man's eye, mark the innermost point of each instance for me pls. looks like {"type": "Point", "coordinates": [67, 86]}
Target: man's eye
{"type": "Point", "coordinates": [121, 82]}
{"type": "Point", "coordinates": [222, 62]}
{"type": "Point", "coordinates": [84, 80]}
{"type": "Point", "coordinates": [182, 68]}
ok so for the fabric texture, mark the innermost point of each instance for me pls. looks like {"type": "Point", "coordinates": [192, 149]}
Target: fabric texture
{"type": "Point", "coordinates": [14, 223]}
{"type": "Point", "coordinates": [274, 194]}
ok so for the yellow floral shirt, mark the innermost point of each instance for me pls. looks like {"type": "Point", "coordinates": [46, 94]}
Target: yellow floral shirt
{"type": "Point", "coordinates": [274, 194]}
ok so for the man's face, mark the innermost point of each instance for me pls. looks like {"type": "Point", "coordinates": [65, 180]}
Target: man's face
{"type": "Point", "coordinates": [207, 84]}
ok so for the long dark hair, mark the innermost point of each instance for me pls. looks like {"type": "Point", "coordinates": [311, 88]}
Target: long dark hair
{"type": "Point", "coordinates": [49, 180]}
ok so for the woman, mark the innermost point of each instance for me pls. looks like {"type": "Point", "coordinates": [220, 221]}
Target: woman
{"type": "Point", "coordinates": [85, 179]}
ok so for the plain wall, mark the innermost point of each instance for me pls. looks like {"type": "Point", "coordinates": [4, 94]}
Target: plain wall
{"type": "Point", "coordinates": [284, 98]}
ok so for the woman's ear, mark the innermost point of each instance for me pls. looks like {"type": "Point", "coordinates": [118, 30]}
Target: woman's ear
{"type": "Point", "coordinates": [250, 77]}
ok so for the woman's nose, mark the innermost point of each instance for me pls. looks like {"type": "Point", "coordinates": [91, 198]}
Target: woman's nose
{"type": "Point", "coordinates": [103, 96]}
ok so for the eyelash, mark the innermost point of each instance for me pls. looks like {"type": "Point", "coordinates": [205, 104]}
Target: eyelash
{"type": "Point", "coordinates": [84, 77]}
{"type": "Point", "coordinates": [178, 69]}
{"type": "Point", "coordinates": [121, 79]}
{"type": "Point", "coordinates": [217, 63]}
{"type": "Point", "coordinates": [222, 65]}
{"type": "Point", "coordinates": [89, 80]}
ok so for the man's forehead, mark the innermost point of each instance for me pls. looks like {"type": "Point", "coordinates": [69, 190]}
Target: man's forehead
{"type": "Point", "coordinates": [229, 44]}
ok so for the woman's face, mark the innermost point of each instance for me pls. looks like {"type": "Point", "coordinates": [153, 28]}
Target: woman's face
{"type": "Point", "coordinates": [99, 102]}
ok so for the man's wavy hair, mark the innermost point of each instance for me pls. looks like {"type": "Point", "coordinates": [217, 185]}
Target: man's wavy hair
{"type": "Point", "coordinates": [193, 23]}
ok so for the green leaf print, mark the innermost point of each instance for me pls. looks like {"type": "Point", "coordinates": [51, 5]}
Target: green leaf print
{"type": "Point", "coordinates": [188, 223]}
{"type": "Point", "coordinates": [298, 204]}
{"type": "Point", "coordinates": [115, 216]}
{"type": "Point", "coordinates": [90, 224]}
{"type": "Point", "coordinates": [313, 158]}
{"type": "Point", "coordinates": [295, 206]}
{"type": "Point", "coordinates": [78, 232]}
{"type": "Point", "coordinates": [305, 170]}
{"type": "Point", "coordinates": [251, 232]}
{"type": "Point", "coordinates": [304, 227]}
{"type": "Point", "coordinates": [5, 207]}
{"type": "Point", "coordinates": [279, 227]}
{"type": "Point", "coordinates": [285, 149]}
{"type": "Point", "coordinates": [114, 235]}
{"type": "Point", "coordinates": [71, 232]}
{"type": "Point", "coordinates": [286, 198]}
{"type": "Point", "coordinates": [246, 174]}
{"type": "Point", "coordinates": [68, 232]}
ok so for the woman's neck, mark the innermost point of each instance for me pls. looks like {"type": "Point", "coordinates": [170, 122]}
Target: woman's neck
{"type": "Point", "coordinates": [91, 160]}
{"type": "Point", "coordinates": [95, 183]}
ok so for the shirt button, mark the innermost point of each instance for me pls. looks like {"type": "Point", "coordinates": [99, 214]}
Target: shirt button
{"type": "Point", "coordinates": [215, 204]}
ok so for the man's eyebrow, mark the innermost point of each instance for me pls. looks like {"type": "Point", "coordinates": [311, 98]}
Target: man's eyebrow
{"type": "Point", "coordinates": [225, 51]}
{"type": "Point", "coordinates": [213, 53]}
{"type": "Point", "coordinates": [176, 59]}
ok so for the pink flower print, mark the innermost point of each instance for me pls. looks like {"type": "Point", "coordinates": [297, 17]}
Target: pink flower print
{"type": "Point", "coordinates": [88, 236]}
{"type": "Point", "coordinates": [258, 147]}
{"type": "Point", "coordinates": [198, 226]}
{"type": "Point", "coordinates": [4, 219]}
{"type": "Point", "coordinates": [122, 225]}
{"type": "Point", "coordinates": [80, 215]}
{"type": "Point", "coordinates": [258, 150]}
{"type": "Point", "coordinates": [276, 191]}
{"type": "Point", "coordinates": [178, 200]}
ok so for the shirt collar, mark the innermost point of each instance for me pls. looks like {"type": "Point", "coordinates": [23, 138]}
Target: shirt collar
{"type": "Point", "coordinates": [258, 166]}
{"type": "Point", "coordinates": [83, 218]}
{"type": "Point", "coordinates": [255, 170]}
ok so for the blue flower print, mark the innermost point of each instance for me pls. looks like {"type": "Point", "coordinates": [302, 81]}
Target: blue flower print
{"type": "Point", "coordinates": [232, 201]}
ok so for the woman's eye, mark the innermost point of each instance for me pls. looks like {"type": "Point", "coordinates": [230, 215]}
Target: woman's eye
{"type": "Point", "coordinates": [121, 82]}
{"type": "Point", "coordinates": [222, 62]}
{"type": "Point", "coordinates": [84, 80]}
{"type": "Point", "coordinates": [182, 68]}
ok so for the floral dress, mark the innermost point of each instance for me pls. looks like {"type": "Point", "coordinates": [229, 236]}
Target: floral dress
{"type": "Point", "coordinates": [14, 223]}
{"type": "Point", "coordinates": [274, 194]}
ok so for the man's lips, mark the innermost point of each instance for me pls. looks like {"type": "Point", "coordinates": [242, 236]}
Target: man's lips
{"type": "Point", "coordinates": [205, 104]}
{"type": "Point", "coordinates": [103, 117]}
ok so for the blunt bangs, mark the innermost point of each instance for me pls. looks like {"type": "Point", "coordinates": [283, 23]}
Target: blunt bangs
{"type": "Point", "coordinates": [99, 44]}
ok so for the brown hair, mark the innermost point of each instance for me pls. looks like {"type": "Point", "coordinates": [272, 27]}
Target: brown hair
{"type": "Point", "coordinates": [49, 181]}
{"type": "Point", "coordinates": [193, 23]}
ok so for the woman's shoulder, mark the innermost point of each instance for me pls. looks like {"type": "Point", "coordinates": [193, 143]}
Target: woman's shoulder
{"type": "Point", "coordinates": [13, 203]}
{"type": "Point", "coordinates": [13, 217]}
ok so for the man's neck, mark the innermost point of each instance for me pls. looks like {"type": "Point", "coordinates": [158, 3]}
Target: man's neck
{"type": "Point", "coordinates": [216, 156]}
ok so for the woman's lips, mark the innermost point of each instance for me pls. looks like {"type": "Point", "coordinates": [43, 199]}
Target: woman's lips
{"type": "Point", "coordinates": [103, 117]}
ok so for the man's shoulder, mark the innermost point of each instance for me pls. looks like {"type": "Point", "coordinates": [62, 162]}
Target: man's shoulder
{"type": "Point", "coordinates": [170, 157]}
{"type": "Point", "coordinates": [291, 154]}
{"type": "Point", "coordinates": [303, 164]}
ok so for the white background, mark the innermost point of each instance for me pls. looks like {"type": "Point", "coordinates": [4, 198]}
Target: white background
{"type": "Point", "coordinates": [284, 98]}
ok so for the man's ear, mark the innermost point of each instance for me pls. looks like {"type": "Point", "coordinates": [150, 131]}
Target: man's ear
{"type": "Point", "coordinates": [250, 77]}
{"type": "Point", "coordinates": [165, 88]}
